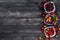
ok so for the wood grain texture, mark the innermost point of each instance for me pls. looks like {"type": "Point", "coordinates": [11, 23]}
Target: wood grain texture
{"type": "Point", "coordinates": [20, 19]}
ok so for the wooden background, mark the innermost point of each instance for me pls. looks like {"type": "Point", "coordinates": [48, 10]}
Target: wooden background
{"type": "Point", "coordinates": [20, 19]}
